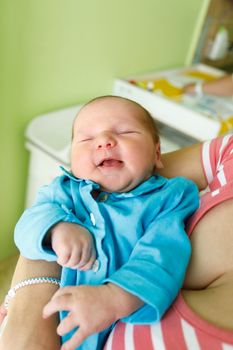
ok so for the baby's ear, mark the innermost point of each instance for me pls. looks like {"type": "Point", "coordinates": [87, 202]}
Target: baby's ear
{"type": "Point", "coordinates": [158, 162]}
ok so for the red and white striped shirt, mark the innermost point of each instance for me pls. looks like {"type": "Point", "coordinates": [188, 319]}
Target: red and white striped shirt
{"type": "Point", "coordinates": [181, 328]}
{"type": "Point", "coordinates": [217, 160]}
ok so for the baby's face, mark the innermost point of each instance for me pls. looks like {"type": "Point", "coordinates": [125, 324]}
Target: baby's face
{"type": "Point", "coordinates": [113, 146]}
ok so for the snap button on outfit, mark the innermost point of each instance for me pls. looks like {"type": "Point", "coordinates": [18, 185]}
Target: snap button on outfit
{"type": "Point", "coordinates": [104, 197]}
{"type": "Point", "coordinates": [96, 265]}
{"type": "Point", "coordinates": [92, 219]}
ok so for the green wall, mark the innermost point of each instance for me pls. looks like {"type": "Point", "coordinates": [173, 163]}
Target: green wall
{"type": "Point", "coordinates": [58, 53]}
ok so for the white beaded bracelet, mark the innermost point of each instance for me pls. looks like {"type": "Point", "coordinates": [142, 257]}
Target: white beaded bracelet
{"type": "Point", "coordinates": [28, 282]}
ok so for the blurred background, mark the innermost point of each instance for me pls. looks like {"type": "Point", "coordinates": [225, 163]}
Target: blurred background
{"type": "Point", "coordinates": [57, 53]}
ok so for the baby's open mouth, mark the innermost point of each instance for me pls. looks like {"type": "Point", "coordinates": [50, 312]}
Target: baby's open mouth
{"type": "Point", "coordinates": [110, 163]}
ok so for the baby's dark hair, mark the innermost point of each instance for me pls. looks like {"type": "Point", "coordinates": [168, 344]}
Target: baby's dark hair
{"type": "Point", "coordinates": [148, 121]}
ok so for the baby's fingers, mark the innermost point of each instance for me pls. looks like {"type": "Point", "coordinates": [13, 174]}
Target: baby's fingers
{"type": "Point", "coordinates": [87, 264]}
{"type": "Point", "coordinates": [76, 340]}
{"type": "Point", "coordinates": [57, 303]}
{"type": "Point", "coordinates": [63, 257]}
{"type": "Point", "coordinates": [66, 325]}
{"type": "Point", "coordinates": [75, 258]}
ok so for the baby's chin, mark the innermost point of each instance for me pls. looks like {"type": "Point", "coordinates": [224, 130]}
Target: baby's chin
{"type": "Point", "coordinates": [121, 184]}
{"type": "Point", "coordinates": [114, 190]}
{"type": "Point", "coordinates": [120, 188]}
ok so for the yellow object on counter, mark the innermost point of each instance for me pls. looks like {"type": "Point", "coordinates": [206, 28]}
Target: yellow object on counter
{"type": "Point", "coordinates": [199, 75]}
{"type": "Point", "coordinates": [161, 85]}
{"type": "Point", "coordinates": [226, 125]}
{"type": "Point", "coordinates": [167, 88]}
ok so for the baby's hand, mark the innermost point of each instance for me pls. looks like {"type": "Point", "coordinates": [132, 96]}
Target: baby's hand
{"type": "Point", "coordinates": [90, 308]}
{"type": "Point", "coordinates": [73, 245]}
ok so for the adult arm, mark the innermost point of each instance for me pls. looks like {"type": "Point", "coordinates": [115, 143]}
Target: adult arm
{"type": "Point", "coordinates": [185, 162]}
{"type": "Point", "coordinates": [220, 87]}
{"type": "Point", "coordinates": [26, 329]}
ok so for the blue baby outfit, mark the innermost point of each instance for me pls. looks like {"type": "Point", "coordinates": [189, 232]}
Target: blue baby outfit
{"type": "Point", "coordinates": [139, 236]}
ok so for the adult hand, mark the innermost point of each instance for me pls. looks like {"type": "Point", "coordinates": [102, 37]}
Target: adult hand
{"type": "Point", "coordinates": [222, 86]}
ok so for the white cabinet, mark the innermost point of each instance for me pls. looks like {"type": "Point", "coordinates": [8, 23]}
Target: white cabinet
{"type": "Point", "coordinates": [48, 139]}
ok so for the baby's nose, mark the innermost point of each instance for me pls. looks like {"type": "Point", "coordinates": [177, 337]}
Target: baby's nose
{"type": "Point", "coordinates": [106, 141]}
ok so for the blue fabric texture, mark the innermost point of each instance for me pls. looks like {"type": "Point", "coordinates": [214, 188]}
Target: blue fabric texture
{"type": "Point", "coordinates": [139, 235]}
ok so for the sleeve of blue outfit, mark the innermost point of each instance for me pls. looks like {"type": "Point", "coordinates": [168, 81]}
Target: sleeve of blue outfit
{"type": "Point", "coordinates": [157, 265]}
{"type": "Point", "coordinates": [38, 220]}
